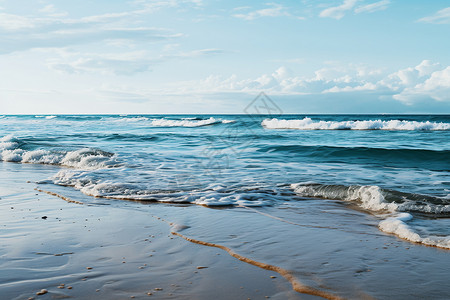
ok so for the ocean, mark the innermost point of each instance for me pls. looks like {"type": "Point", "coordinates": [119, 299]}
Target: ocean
{"type": "Point", "coordinates": [393, 167]}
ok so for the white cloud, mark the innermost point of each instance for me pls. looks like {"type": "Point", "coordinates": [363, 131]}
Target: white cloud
{"type": "Point", "coordinates": [369, 8]}
{"type": "Point", "coordinates": [51, 27]}
{"type": "Point", "coordinates": [409, 77]}
{"type": "Point", "coordinates": [436, 86]}
{"type": "Point", "coordinates": [10, 22]}
{"type": "Point", "coordinates": [426, 67]}
{"type": "Point", "coordinates": [338, 12]}
{"type": "Point", "coordinates": [52, 11]}
{"type": "Point", "coordinates": [22, 33]}
{"type": "Point", "coordinates": [423, 83]}
{"type": "Point", "coordinates": [441, 17]}
{"type": "Point", "coordinates": [276, 10]}
{"type": "Point", "coordinates": [123, 63]}
{"type": "Point", "coordinates": [368, 86]}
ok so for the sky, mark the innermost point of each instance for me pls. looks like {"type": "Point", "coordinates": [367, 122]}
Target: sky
{"type": "Point", "coordinates": [208, 56]}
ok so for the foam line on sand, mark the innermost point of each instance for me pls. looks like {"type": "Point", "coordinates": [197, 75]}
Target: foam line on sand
{"type": "Point", "coordinates": [296, 284]}
{"type": "Point", "coordinates": [59, 196]}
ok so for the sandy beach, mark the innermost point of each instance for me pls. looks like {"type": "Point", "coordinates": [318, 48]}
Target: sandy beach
{"type": "Point", "coordinates": [108, 252]}
{"type": "Point", "coordinates": [118, 250]}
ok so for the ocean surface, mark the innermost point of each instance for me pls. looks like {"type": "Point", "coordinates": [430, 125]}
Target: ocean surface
{"type": "Point", "coordinates": [395, 167]}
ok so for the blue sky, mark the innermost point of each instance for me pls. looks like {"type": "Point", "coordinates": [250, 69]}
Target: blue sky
{"type": "Point", "coordinates": [200, 56]}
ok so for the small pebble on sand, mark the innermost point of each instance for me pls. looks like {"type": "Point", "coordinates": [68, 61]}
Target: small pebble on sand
{"type": "Point", "coordinates": [42, 292]}
{"type": "Point", "coordinates": [69, 287]}
{"type": "Point", "coordinates": [273, 276]}
{"type": "Point", "coordinates": [149, 294]}
{"type": "Point", "coordinates": [89, 268]}
{"type": "Point", "coordinates": [158, 289]}
{"type": "Point", "coordinates": [201, 267]}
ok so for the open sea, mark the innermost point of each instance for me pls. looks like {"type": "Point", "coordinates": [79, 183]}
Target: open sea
{"type": "Point", "coordinates": [394, 167]}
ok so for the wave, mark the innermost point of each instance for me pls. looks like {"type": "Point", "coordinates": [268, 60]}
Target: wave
{"type": "Point", "coordinates": [183, 122]}
{"type": "Point", "coordinates": [85, 158]}
{"type": "Point", "coordinates": [309, 124]}
{"type": "Point", "coordinates": [187, 123]}
{"type": "Point", "coordinates": [376, 199]}
{"type": "Point", "coordinates": [397, 225]}
{"type": "Point", "coordinates": [46, 117]}
{"type": "Point", "coordinates": [128, 119]}
{"type": "Point", "coordinates": [95, 185]}
{"type": "Point", "coordinates": [392, 205]}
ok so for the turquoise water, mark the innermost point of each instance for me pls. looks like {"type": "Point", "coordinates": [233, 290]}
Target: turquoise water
{"type": "Point", "coordinates": [396, 167]}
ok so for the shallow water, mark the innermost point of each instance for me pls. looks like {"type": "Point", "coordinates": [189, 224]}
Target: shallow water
{"type": "Point", "coordinates": [317, 203]}
{"type": "Point", "coordinates": [395, 167]}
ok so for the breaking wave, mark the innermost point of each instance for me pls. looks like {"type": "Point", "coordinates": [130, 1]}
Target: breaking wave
{"type": "Point", "coordinates": [398, 226]}
{"type": "Point", "coordinates": [187, 122]}
{"type": "Point", "coordinates": [309, 124]}
{"type": "Point", "coordinates": [393, 206]}
{"type": "Point", "coordinates": [85, 158]}
{"type": "Point", "coordinates": [46, 117]}
{"type": "Point", "coordinates": [376, 199]}
{"type": "Point", "coordinates": [93, 185]}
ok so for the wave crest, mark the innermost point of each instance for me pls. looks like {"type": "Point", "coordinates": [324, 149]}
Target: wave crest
{"type": "Point", "coordinates": [397, 225]}
{"type": "Point", "coordinates": [383, 201]}
{"type": "Point", "coordinates": [374, 198]}
{"type": "Point", "coordinates": [85, 158]}
{"type": "Point", "coordinates": [309, 124]}
{"type": "Point", "coordinates": [188, 122]}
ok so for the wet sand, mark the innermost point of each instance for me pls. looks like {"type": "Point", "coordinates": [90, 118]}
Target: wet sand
{"type": "Point", "coordinates": [87, 248]}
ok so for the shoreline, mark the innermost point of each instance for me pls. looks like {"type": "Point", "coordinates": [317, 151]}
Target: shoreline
{"type": "Point", "coordinates": [112, 249]}
{"type": "Point", "coordinates": [111, 253]}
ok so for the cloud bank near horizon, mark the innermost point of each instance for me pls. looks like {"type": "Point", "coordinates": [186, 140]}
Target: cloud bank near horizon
{"type": "Point", "coordinates": [177, 56]}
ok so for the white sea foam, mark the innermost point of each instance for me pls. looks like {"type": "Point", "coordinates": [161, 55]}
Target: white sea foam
{"type": "Point", "coordinates": [187, 123]}
{"type": "Point", "coordinates": [369, 197]}
{"type": "Point", "coordinates": [373, 198]}
{"type": "Point", "coordinates": [8, 142]}
{"type": "Point", "coordinates": [397, 225]}
{"type": "Point", "coordinates": [309, 124]}
{"type": "Point", "coordinates": [90, 185]}
{"type": "Point", "coordinates": [184, 123]}
{"type": "Point", "coordinates": [46, 117]}
{"type": "Point", "coordinates": [228, 121]}
{"type": "Point", "coordinates": [85, 158]}
{"type": "Point", "coordinates": [132, 119]}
